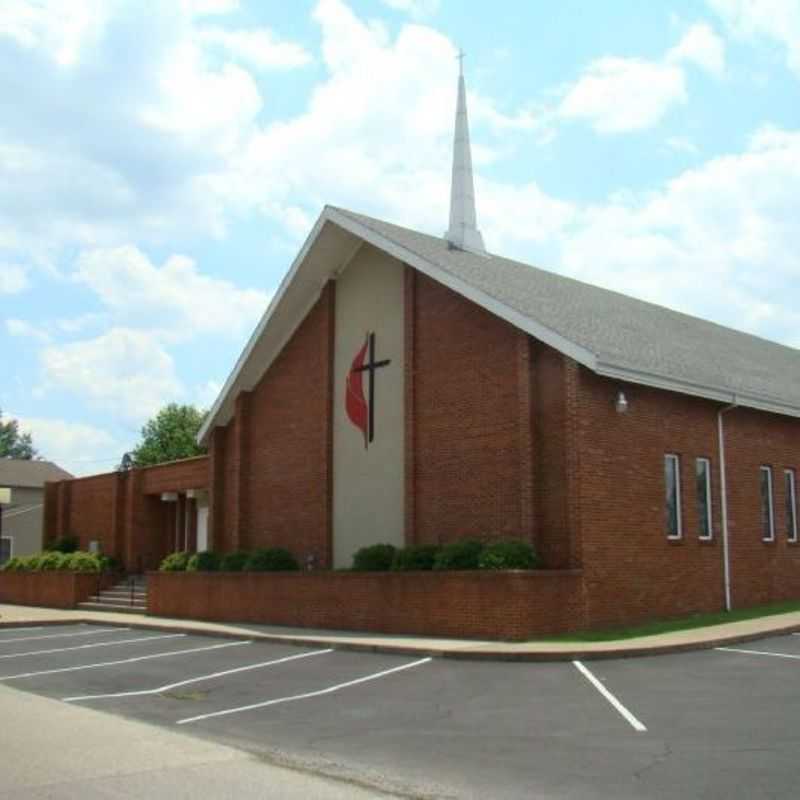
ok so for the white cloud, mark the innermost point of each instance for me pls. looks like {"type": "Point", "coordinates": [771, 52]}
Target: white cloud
{"type": "Point", "coordinates": [60, 30]}
{"type": "Point", "coordinates": [616, 95]}
{"type": "Point", "coordinates": [775, 20]}
{"type": "Point", "coordinates": [701, 46]}
{"type": "Point", "coordinates": [259, 47]}
{"type": "Point", "coordinates": [174, 299]}
{"type": "Point", "coordinates": [76, 447]}
{"type": "Point", "coordinates": [682, 144]}
{"type": "Point", "coordinates": [123, 371]}
{"type": "Point", "coordinates": [620, 95]}
{"type": "Point", "coordinates": [418, 9]}
{"type": "Point", "coordinates": [207, 393]}
{"type": "Point", "coordinates": [24, 330]}
{"type": "Point", "coordinates": [720, 240]}
{"type": "Point", "coordinates": [13, 279]}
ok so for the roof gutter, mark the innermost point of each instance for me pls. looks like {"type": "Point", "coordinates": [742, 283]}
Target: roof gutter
{"type": "Point", "coordinates": [726, 562]}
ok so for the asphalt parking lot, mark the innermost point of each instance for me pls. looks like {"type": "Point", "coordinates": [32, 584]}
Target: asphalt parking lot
{"type": "Point", "coordinates": [708, 724]}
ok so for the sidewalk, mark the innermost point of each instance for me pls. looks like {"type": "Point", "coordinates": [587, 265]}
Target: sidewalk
{"type": "Point", "coordinates": [676, 641]}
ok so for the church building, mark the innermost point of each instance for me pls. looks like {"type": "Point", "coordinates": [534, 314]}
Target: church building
{"type": "Point", "coordinates": [414, 389]}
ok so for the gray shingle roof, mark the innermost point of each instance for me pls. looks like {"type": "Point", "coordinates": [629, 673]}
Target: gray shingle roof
{"type": "Point", "coordinates": [626, 337]}
{"type": "Point", "coordinates": [30, 474]}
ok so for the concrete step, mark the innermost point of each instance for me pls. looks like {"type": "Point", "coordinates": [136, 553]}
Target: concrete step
{"type": "Point", "coordinates": [122, 594]}
{"type": "Point", "coordinates": [119, 609]}
{"type": "Point", "coordinates": [119, 601]}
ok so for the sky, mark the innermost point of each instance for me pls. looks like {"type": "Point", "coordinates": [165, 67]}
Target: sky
{"type": "Point", "coordinates": [160, 170]}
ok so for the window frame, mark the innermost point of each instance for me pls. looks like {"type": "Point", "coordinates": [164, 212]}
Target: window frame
{"type": "Point", "coordinates": [790, 489]}
{"type": "Point", "coordinates": [764, 469]}
{"type": "Point", "coordinates": [707, 537]}
{"type": "Point", "coordinates": [674, 459]}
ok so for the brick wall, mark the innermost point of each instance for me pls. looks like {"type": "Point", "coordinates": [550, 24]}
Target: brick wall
{"type": "Point", "coordinates": [512, 606]}
{"type": "Point", "coordinates": [50, 589]}
{"type": "Point", "coordinates": [174, 476]}
{"type": "Point", "coordinates": [468, 470]}
{"type": "Point", "coordinates": [632, 570]}
{"type": "Point", "coordinates": [123, 510]}
{"type": "Point", "coordinates": [91, 511]}
{"type": "Point", "coordinates": [277, 453]}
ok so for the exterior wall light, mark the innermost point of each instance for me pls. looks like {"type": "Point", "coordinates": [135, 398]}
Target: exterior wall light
{"type": "Point", "coordinates": [621, 403]}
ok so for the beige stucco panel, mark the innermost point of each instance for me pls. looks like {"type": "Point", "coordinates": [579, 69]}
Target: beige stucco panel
{"type": "Point", "coordinates": [368, 483]}
{"type": "Point", "coordinates": [23, 519]}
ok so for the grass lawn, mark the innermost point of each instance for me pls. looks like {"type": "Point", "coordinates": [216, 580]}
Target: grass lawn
{"type": "Point", "coordinates": [684, 624]}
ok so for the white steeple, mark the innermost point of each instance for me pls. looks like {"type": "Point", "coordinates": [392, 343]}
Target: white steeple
{"type": "Point", "coordinates": [463, 232]}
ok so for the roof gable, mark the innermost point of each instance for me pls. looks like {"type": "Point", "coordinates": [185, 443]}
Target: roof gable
{"type": "Point", "coordinates": [608, 332]}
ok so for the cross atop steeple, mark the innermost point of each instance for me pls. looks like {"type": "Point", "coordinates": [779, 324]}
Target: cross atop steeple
{"type": "Point", "coordinates": [463, 232]}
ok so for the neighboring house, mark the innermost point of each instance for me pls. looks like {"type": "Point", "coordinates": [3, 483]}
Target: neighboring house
{"type": "Point", "coordinates": [23, 518]}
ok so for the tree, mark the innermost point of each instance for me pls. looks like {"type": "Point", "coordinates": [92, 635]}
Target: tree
{"type": "Point", "coordinates": [169, 435]}
{"type": "Point", "coordinates": [14, 444]}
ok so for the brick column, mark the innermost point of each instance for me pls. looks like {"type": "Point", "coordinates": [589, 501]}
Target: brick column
{"type": "Point", "coordinates": [118, 514]}
{"type": "Point", "coordinates": [409, 347]}
{"type": "Point", "coordinates": [572, 400]}
{"type": "Point", "coordinates": [180, 522]}
{"type": "Point", "coordinates": [64, 498]}
{"type": "Point", "coordinates": [525, 435]}
{"type": "Point", "coordinates": [132, 516]}
{"type": "Point", "coordinates": [240, 458]}
{"type": "Point", "coordinates": [326, 558]}
{"type": "Point", "coordinates": [216, 489]}
{"type": "Point", "coordinates": [191, 519]}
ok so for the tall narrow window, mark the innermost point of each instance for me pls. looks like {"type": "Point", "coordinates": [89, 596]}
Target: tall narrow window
{"type": "Point", "coordinates": [672, 485]}
{"type": "Point", "coordinates": [767, 510]}
{"type": "Point", "coordinates": [6, 548]}
{"type": "Point", "coordinates": [791, 505]}
{"type": "Point", "coordinates": [703, 483]}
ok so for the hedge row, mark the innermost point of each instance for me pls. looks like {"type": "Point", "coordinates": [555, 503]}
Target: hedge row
{"type": "Point", "coordinates": [51, 560]}
{"type": "Point", "coordinates": [271, 559]}
{"type": "Point", "coordinates": [462, 554]}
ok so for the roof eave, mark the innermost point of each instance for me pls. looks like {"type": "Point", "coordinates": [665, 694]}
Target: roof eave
{"type": "Point", "coordinates": [716, 393]}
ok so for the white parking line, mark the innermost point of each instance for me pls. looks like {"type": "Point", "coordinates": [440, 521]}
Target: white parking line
{"type": "Point", "coordinates": [63, 635]}
{"type": "Point", "coordinates": [123, 661]}
{"type": "Point", "coordinates": [93, 644]}
{"type": "Point", "coordinates": [755, 652]}
{"type": "Point", "coordinates": [305, 696]}
{"type": "Point", "coordinates": [20, 630]}
{"type": "Point", "coordinates": [169, 686]}
{"type": "Point", "coordinates": [634, 723]}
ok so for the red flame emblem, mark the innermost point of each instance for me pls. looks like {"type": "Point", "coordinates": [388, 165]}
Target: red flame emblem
{"type": "Point", "coordinates": [355, 402]}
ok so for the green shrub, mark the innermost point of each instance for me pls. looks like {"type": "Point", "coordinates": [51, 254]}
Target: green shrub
{"type": "Point", "coordinates": [16, 564]}
{"type": "Point", "coordinates": [109, 563]}
{"type": "Point", "coordinates": [420, 557]}
{"type": "Point", "coordinates": [508, 554]}
{"type": "Point", "coordinates": [31, 563]}
{"type": "Point", "coordinates": [175, 562]}
{"type": "Point", "coordinates": [375, 558]}
{"type": "Point", "coordinates": [82, 562]}
{"type": "Point", "coordinates": [463, 554]}
{"type": "Point", "coordinates": [65, 544]}
{"type": "Point", "coordinates": [271, 559]}
{"type": "Point", "coordinates": [53, 560]}
{"type": "Point", "coordinates": [205, 561]}
{"type": "Point", "coordinates": [234, 562]}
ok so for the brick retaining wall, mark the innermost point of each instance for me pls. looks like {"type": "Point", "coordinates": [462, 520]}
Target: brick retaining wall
{"type": "Point", "coordinates": [51, 589]}
{"type": "Point", "coordinates": [494, 605]}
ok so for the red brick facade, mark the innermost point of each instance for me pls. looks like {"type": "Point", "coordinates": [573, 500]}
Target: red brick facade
{"type": "Point", "coordinates": [504, 436]}
{"type": "Point", "coordinates": [513, 606]}
{"type": "Point", "coordinates": [123, 511]}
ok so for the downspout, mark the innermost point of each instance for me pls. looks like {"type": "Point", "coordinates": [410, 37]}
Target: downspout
{"type": "Point", "coordinates": [726, 562]}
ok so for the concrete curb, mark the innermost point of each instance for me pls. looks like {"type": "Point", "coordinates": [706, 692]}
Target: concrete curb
{"type": "Point", "coordinates": [464, 652]}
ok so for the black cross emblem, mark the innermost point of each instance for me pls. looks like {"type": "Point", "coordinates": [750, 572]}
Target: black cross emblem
{"type": "Point", "coordinates": [370, 367]}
